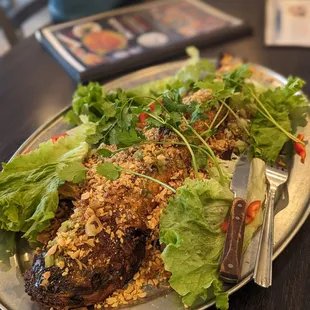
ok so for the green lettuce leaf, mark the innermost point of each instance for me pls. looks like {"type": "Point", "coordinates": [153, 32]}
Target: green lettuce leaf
{"type": "Point", "coordinates": [190, 227]}
{"type": "Point", "coordinates": [29, 183]}
{"type": "Point", "coordinates": [149, 89]}
{"type": "Point", "coordinates": [87, 100]}
{"type": "Point", "coordinates": [268, 139]}
{"type": "Point", "coordinates": [288, 108]}
{"type": "Point", "coordinates": [256, 191]}
{"type": "Point", "coordinates": [192, 72]}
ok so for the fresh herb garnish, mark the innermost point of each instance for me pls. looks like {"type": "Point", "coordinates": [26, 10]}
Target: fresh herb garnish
{"type": "Point", "coordinates": [112, 172]}
{"type": "Point", "coordinates": [271, 112]}
{"type": "Point", "coordinates": [104, 152]}
{"type": "Point", "coordinates": [170, 114]}
{"type": "Point", "coordinates": [116, 115]}
{"type": "Point", "coordinates": [74, 172]}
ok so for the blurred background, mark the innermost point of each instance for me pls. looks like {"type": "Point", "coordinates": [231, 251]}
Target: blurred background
{"type": "Point", "coordinates": [21, 18]}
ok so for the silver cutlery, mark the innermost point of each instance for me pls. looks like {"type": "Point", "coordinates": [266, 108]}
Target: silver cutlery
{"type": "Point", "coordinates": [276, 176]}
{"type": "Point", "coordinates": [231, 258]}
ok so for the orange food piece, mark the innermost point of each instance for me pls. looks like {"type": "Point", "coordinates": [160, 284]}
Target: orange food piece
{"type": "Point", "coordinates": [251, 213]}
{"type": "Point", "coordinates": [225, 226]}
{"type": "Point", "coordinates": [252, 210]}
{"type": "Point", "coordinates": [104, 41]}
{"type": "Point", "coordinates": [152, 107]}
{"type": "Point", "coordinates": [142, 117]}
{"type": "Point", "coordinates": [91, 59]}
{"type": "Point", "coordinates": [300, 149]}
{"type": "Point", "coordinates": [55, 138]}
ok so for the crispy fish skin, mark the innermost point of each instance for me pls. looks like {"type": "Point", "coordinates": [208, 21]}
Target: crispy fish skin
{"type": "Point", "coordinates": [86, 286]}
{"type": "Point", "coordinates": [89, 269]}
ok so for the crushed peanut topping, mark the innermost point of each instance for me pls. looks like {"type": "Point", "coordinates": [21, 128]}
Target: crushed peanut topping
{"type": "Point", "coordinates": [106, 210]}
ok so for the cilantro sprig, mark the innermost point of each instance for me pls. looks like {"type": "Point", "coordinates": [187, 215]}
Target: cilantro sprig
{"type": "Point", "coordinates": [170, 113]}
{"type": "Point", "coordinates": [273, 113]}
{"type": "Point", "coordinates": [270, 113]}
{"type": "Point", "coordinates": [113, 172]}
{"type": "Point", "coordinates": [116, 115]}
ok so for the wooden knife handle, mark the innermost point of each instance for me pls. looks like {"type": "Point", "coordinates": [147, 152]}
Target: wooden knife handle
{"type": "Point", "coordinates": [231, 259]}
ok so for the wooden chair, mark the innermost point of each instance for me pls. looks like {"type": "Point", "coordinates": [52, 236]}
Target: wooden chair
{"type": "Point", "coordinates": [12, 20]}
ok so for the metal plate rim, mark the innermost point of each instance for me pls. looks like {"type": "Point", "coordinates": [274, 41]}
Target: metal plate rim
{"type": "Point", "coordinates": [150, 71]}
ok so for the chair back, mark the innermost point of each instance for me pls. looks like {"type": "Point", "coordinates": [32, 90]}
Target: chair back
{"type": "Point", "coordinates": [8, 28]}
{"type": "Point", "coordinates": [11, 24]}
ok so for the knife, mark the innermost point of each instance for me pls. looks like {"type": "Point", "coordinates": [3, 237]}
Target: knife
{"type": "Point", "coordinates": [231, 258]}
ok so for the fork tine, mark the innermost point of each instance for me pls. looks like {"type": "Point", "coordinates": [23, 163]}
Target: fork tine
{"type": "Point", "coordinates": [263, 266]}
{"type": "Point", "coordinates": [276, 176]}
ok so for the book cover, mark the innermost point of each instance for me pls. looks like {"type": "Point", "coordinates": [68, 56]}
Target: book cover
{"type": "Point", "coordinates": [95, 47]}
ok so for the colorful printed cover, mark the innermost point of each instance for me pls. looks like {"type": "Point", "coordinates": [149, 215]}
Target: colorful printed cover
{"type": "Point", "coordinates": [91, 47]}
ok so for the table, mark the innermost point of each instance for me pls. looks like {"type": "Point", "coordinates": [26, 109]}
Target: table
{"type": "Point", "coordinates": [34, 88]}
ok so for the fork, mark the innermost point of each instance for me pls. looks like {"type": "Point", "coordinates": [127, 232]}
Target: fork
{"type": "Point", "coordinates": [263, 266]}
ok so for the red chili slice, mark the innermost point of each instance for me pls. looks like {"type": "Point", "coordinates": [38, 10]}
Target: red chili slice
{"type": "Point", "coordinates": [225, 226]}
{"type": "Point", "coordinates": [55, 138]}
{"type": "Point", "coordinates": [252, 210]}
{"type": "Point", "coordinates": [251, 213]}
{"type": "Point", "coordinates": [142, 117]}
{"type": "Point", "coordinates": [300, 149]}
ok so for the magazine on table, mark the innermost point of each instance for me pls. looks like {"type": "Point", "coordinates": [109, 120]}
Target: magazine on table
{"type": "Point", "coordinates": [98, 46]}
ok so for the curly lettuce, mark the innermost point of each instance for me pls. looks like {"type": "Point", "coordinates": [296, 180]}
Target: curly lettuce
{"type": "Point", "coordinates": [29, 183]}
{"type": "Point", "coordinates": [190, 227]}
{"type": "Point", "coordinates": [288, 109]}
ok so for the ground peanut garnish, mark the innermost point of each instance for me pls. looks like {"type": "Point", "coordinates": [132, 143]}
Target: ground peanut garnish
{"type": "Point", "coordinates": [107, 210]}
{"type": "Point", "coordinates": [151, 272]}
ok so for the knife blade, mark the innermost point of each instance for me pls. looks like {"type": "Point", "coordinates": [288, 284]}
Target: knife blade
{"type": "Point", "coordinates": [231, 258]}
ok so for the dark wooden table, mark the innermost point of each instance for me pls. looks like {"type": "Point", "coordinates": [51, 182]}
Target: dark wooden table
{"type": "Point", "coordinates": [33, 88]}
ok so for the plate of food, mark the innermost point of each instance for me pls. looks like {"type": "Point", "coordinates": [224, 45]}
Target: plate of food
{"type": "Point", "coordinates": [123, 199]}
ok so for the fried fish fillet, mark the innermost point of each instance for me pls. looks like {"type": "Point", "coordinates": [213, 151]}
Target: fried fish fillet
{"type": "Point", "coordinates": [101, 246]}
